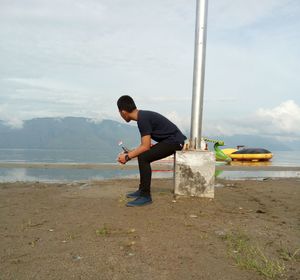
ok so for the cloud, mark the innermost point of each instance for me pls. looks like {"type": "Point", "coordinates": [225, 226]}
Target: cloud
{"type": "Point", "coordinates": [236, 14]}
{"type": "Point", "coordinates": [78, 59]}
{"type": "Point", "coordinates": [181, 122]}
{"type": "Point", "coordinates": [43, 10]}
{"type": "Point", "coordinates": [9, 118]}
{"type": "Point", "coordinates": [229, 127]}
{"type": "Point", "coordinates": [284, 118]}
{"type": "Point", "coordinates": [281, 123]}
{"type": "Point", "coordinates": [35, 98]}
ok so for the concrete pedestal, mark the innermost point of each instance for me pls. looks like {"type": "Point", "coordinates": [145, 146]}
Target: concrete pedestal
{"type": "Point", "coordinates": [195, 173]}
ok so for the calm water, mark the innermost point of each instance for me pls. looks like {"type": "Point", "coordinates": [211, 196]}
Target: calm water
{"type": "Point", "coordinates": [65, 156]}
{"type": "Point", "coordinates": [281, 158]}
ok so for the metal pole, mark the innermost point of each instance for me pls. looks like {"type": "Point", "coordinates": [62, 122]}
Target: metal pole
{"type": "Point", "coordinates": [199, 73]}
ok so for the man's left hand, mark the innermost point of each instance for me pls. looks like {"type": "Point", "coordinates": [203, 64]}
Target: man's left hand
{"type": "Point", "coordinates": [121, 158]}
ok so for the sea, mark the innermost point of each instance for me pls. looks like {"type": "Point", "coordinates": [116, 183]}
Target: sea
{"type": "Point", "coordinates": [280, 158]}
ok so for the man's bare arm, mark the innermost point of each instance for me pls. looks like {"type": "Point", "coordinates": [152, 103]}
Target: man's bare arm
{"type": "Point", "coordinates": [143, 147]}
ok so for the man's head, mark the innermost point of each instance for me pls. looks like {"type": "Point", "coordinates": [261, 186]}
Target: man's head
{"type": "Point", "coordinates": [126, 106]}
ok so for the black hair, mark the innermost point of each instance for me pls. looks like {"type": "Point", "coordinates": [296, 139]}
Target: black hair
{"type": "Point", "coordinates": [126, 103]}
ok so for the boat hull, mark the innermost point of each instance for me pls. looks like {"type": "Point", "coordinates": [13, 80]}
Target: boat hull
{"type": "Point", "coordinates": [248, 154]}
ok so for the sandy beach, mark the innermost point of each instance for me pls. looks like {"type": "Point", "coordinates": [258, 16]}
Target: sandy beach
{"type": "Point", "coordinates": [251, 230]}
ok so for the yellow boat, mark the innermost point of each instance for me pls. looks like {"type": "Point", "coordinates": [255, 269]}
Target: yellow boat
{"type": "Point", "coordinates": [249, 154]}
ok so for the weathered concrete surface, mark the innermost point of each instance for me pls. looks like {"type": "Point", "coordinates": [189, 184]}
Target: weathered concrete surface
{"type": "Point", "coordinates": [194, 173]}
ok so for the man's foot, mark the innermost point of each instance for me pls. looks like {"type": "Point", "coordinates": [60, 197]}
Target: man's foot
{"type": "Point", "coordinates": [133, 194]}
{"type": "Point", "coordinates": [140, 201]}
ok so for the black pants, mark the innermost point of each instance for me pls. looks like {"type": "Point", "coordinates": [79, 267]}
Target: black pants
{"type": "Point", "coordinates": [158, 151]}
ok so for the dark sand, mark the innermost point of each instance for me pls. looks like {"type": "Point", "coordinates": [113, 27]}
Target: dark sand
{"type": "Point", "coordinates": [84, 231]}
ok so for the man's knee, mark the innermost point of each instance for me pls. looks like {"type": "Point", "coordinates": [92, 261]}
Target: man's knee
{"type": "Point", "coordinates": [143, 157]}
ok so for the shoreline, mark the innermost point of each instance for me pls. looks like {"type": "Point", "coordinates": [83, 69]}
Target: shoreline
{"type": "Point", "coordinates": [166, 166]}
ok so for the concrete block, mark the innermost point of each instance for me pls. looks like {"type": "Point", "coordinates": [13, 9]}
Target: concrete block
{"type": "Point", "coordinates": [195, 173]}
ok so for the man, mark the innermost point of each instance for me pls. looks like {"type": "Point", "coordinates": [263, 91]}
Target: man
{"type": "Point", "coordinates": [151, 126]}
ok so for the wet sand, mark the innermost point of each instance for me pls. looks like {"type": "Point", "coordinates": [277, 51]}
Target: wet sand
{"type": "Point", "coordinates": [84, 230]}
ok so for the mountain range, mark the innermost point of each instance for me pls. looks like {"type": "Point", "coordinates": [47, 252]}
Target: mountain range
{"type": "Point", "coordinates": [84, 133]}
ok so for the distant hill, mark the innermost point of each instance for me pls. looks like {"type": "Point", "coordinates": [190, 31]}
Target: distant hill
{"type": "Point", "coordinates": [83, 133]}
{"type": "Point", "coordinates": [69, 133]}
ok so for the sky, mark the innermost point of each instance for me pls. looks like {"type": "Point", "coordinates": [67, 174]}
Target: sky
{"type": "Point", "coordinates": [77, 57]}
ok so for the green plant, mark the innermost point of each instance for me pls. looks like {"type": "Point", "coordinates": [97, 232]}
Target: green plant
{"type": "Point", "coordinates": [287, 255]}
{"type": "Point", "coordinates": [104, 231]}
{"type": "Point", "coordinates": [249, 256]}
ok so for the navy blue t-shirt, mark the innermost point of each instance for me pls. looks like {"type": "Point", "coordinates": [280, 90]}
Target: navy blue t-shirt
{"type": "Point", "coordinates": [159, 128]}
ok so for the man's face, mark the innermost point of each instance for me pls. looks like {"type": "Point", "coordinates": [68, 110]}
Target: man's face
{"type": "Point", "coordinates": [125, 116]}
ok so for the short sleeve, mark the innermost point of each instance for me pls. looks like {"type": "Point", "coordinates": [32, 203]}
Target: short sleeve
{"type": "Point", "coordinates": [144, 126]}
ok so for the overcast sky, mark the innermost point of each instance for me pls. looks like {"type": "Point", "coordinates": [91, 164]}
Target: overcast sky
{"type": "Point", "coordinates": [76, 57]}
